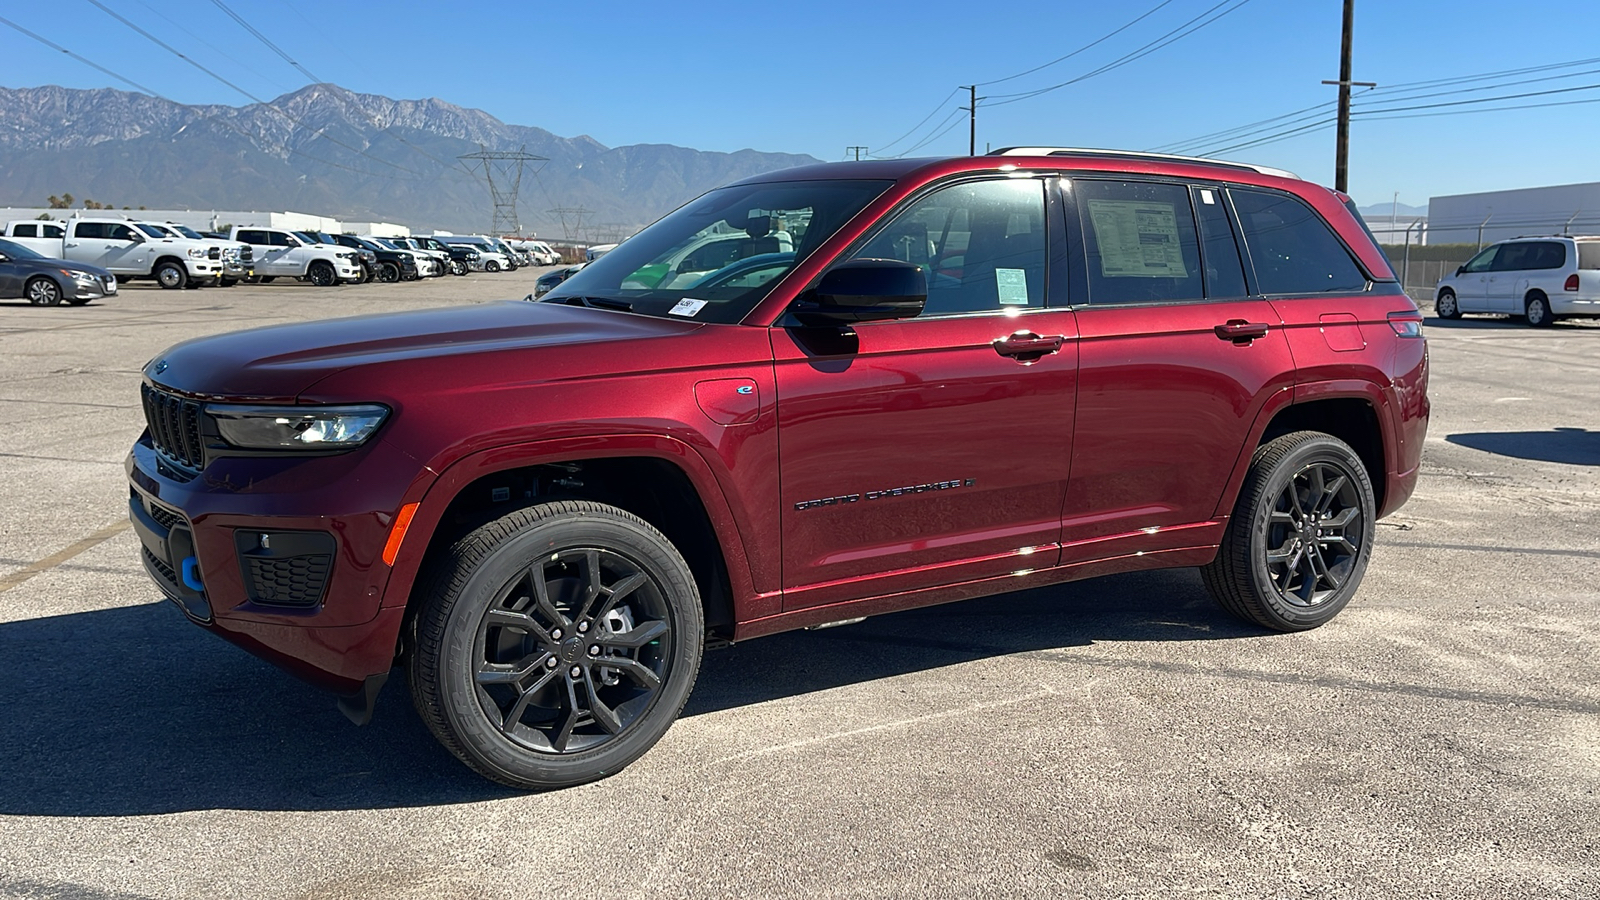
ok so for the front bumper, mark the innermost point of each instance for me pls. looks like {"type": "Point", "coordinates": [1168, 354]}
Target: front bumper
{"type": "Point", "coordinates": [90, 288]}
{"type": "Point", "coordinates": [350, 272]}
{"type": "Point", "coordinates": [197, 536]}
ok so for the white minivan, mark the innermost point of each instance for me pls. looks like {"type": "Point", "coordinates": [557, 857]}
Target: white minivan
{"type": "Point", "coordinates": [1540, 278]}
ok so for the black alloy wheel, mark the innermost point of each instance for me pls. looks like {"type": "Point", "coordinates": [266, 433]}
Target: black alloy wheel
{"type": "Point", "coordinates": [557, 645]}
{"type": "Point", "coordinates": [1538, 311]}
{"type": "Point", "coordinates": [388, 273]}
{"type": "Point", "coordinates": [322, 274]}
{"type": "Point", "coordinates": [172, 275]}
{"type": "Point", "coordinates": [43, 291]}
{"type": "Point", "coordinates": [1297, 544]}
{"type": "Point", "coordinates": [1446, 306]}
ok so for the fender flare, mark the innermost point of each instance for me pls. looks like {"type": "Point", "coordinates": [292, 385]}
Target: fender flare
{"type": "Point", "coordinates": [434, 494]}
{"type": "Point", "coordinates": [1354, 389]}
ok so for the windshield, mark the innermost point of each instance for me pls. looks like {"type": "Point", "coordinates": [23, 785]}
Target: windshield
{"type": "Point", "coordinates": [306, 237]}
{"type": "Point", "coordinates": [187, 232]}
{"type": "Point", "coordinates": [17, 251]}
{"type": "Point", "coordinates": [716, 257]}
{"type": "Point", "coordinates": [156, 231]}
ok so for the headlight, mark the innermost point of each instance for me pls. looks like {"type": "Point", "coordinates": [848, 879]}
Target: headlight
{"type": "Point", "coordinates": [297, 427]}
{"type": "Point", "coordinates": [197, 253]}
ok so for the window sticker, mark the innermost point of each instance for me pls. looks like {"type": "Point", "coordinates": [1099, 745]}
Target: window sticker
{"type": "Point", "coordinates": [688, 306]}
{"type": "Point", "coordinates": [1138, 239]}
{"type": "Point", "coordinates": [1012, 285]}
{"type": "Point", "coordinates": [1207, 197]}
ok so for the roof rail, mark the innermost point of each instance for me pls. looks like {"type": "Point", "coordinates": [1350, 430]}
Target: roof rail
{"type": "Point", "coordinates": [1136, 154]}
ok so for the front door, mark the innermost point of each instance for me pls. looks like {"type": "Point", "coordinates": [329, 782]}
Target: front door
{"type": "Point", "coordinates": [1472, 284]}
{"type": "Point", "coordinates": [932, 450]}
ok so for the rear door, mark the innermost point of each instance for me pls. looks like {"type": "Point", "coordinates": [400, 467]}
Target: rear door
{"type": "Point", "coordinates": [1543, 270]}
{"type": "Point", "coordinates": [935, 449]}
{"type": "Point", "coordinates": [1177, 356]}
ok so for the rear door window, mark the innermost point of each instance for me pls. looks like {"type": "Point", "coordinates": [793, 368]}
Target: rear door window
{"type": "Point", "coordinates": [253, 237]}
{"type": "Point", "coordinates": [1141, 242]}
{"type": "Point", "coordinates": [1220, 250]}
{"type": "Point", "coordinates": [1292, 249]}
{"type": "Point", "coordinates": [91, 230]}
{"type": "Point", "coordinates": [1548, 255]}
{"type": "Point", "coordinates": [27, 230]}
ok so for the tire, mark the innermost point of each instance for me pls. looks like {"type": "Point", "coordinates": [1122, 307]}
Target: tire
{"type": "Point", "coordinates": [492, 668]}
{"type": "Point", "coordinates": [171, 275]}
{"type": "Point", "coordinates": [388, 273]}
{"type": "Point", "coordinates": [1537, 309]}
{"type": "Point", "coordinates": [458, 267]}
{"type": "Point", "coordinates": [491, 266]}
{"type": "Point", "coordinates": [268, 279]}
{"type": "Point", "coordinates": [367, 275]}
{"type": "Point", "coordinates": [1280, 567]}
{"type": "Point", "coordinates": [322, 274]}
{"type": "Point", "coordinates": [42, 291]}
{"type": "Point", "coordinates": [228, 282]}
{"type": "Point", "coordinates": [1445, 306]}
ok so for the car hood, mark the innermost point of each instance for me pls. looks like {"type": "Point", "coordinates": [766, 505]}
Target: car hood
{"type": "Point", "coordinates": [277, 363]}
{"type": "Point", "coordinates": [56, 265]}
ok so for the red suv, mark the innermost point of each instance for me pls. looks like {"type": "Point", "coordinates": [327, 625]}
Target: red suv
{"type": "Point", "coordinates": [812, 396]}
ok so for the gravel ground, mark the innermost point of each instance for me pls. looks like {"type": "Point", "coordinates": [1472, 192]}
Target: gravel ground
{"type": "Point", "coordinates": [1119, 737]}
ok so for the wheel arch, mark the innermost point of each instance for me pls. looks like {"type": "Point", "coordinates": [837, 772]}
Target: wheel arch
{"type": "Point", "coordinates": [658, 479]}
{"type": "Point", "coordinates": [1356, 413]}
{"type": "Point", "coordinates": [169, 258]}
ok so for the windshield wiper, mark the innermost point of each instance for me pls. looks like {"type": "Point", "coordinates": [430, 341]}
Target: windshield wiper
{"type": "Point", "coordinates": [594, 302]}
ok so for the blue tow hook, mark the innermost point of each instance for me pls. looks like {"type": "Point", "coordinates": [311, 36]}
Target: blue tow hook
{"type": "Point", "coordinates": [191, 575]}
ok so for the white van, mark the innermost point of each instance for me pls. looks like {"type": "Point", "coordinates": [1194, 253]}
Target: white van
{"type": "Point", "coordinates": [1539, 278]}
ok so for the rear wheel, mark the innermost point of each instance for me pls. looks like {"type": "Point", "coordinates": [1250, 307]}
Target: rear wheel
{"type": "Point", "coordinates": [322, 274]}
{"type": "Point", "coordinates": [43, 291]}
{"type": "Point", "coordinates": [556, 644]}
{"type": "Point", "coordinates": [172, 275]}
{"type": "Point", "coordinates": [1537, 307]}
{"type": "Point", "coordinates": [1446, 306]}
{"type": "Point", "coordinates": [1300, 536]}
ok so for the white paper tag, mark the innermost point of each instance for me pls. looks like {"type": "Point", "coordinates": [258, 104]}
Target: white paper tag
{"type": "Point", "coordinates": [1012, 285]}
{"type": "Point", "coordinates": [688, 306]}
{"type": "Point", "coordinates": [1207, 197]}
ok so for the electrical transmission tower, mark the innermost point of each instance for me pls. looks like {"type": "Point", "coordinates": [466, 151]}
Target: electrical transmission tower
{"type": "Point", "coordinates": [577, 213]}
{"type": "Point", "coordinates": [503, 170]}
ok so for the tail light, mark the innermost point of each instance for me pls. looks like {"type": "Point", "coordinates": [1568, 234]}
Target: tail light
{"type": "Point", "coordinates": [1572, 282]}
{"type": "Point", "coordinates": [1407, 323]}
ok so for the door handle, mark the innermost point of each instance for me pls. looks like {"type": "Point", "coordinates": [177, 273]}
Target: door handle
{"type": "Point", "coordinates": [1027, 346]}
{"type": "Point", "coordinates": [1241, 332]}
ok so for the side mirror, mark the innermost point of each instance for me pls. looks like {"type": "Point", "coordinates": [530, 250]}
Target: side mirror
{"type": "Point", "coordinates": [1461, 268]}
{"type": "Point", "coordinates": [136, 237]}
{"type": "Point", "coordinates": [865, 290]}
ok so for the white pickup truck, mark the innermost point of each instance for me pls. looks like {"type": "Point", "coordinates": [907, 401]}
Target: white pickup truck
{"type": "Point", "coordinates": [238, 262]}
{"type": "Point", "coordinates": [124, 248]}
{"type": "Point", "coordinates": [279, 253]}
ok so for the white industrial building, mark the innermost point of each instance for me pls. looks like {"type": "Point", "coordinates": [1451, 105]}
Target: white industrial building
{"type": "Point", "coordinates": [1495, 215]}
{"type": "Point", "coordinates": [216, 220]}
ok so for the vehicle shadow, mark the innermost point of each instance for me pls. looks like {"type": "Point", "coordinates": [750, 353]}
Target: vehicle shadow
{"type": "Point", "coordinates": [132, 711]}
{"type": "Point", "coordinates": [1573, 446]}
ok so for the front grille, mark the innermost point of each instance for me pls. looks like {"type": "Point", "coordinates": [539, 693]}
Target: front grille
{"type": "Point", "coordinates": [160, 568]}
{"type": "Point", "coordinates": [165, 516]}
{"type": "Point", "coordinates": [214, 253]}
{"type": "Point", "coordinates": [174, 427]}
{"type": "Point", "coordinates": [297, 581]}
{"type": "Point", "coordinates": [247, 254]}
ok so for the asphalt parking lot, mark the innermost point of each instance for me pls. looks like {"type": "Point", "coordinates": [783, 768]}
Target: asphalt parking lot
{"type": "Point", "coordinates": [1120, 737]}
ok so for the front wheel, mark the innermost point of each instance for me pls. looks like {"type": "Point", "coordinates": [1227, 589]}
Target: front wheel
{"type": "Point", "coordinates": [556, 644]}
{"type": "Point", "coordinates": [458, 266]}
{"type": "Point", "coordinates": [43, 291]}
{"type": "Point", "coordinates": [322, 275]}
{"type": "Point", "coordinates": [491, 266]}
{"type": "Point", "coordinates": [172, 276]}
{"type": "Point", "coordinates": [1300, 536]}
{"type": "Point", "coordinates": [1537, 309]}
{"type": "Point", "coordinates": [1446, 306]}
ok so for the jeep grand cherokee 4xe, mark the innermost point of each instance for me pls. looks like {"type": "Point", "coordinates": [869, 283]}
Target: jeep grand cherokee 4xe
{"type": "Point", "coordinates": [808, 397]}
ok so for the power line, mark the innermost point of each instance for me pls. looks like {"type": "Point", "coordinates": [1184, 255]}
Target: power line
{"type": "Point", "coordinates": [1100, 40]}
{"type": "Point", "coordinates": [263, 39]}
{"type": "Point", "coordinates": [157, 94]}
{"type": "Point", "coordinates": [1171, 37]}
{"type": "Point", "coordinates": [917, 127]}
{"type": "Point", "coordinates": [317, 133]}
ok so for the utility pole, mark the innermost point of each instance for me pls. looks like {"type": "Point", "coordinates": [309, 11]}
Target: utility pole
{"type": "Point", "coordinates": [857, 151]}
{"type": "Point", "coordinates": [1341, 165]}
{"type": "Point", "coordinates": [972, 118]}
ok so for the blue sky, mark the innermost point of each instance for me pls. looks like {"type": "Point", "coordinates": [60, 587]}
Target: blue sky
{"type": "Point", "coordinates": [818, 77]}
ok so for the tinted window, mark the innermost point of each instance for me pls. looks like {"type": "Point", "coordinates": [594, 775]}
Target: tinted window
{"type": "Point", "coordinates": [1293, 250]}
{"type": "Point", "coordinates": [1224, 271]}
{"type": "Point", "coordinates": [253, 237]}
{"type": "Point", "coordinates": [54, 231]}
{"type": "Point", "coordinates": [25, 230]}
{"type": "Point", "coordinates": [279, 239]}
{"type": "Point", "coordinates": [1483, 261]}
{"type": "Point", "coordinates": [1548, 255]}
{"type": "Point", "coordinates": [91, 230]}
{"type": "Point", "coordinates": [1589, 255]}
{"type": "Point", "coordinates": [1141, 242]}
{"type": "Point", "coordinates": [121, 232]}
{"type": "Point", "coordinates": [982, 245]}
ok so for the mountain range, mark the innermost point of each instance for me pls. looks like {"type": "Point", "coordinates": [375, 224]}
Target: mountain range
{"type": "Point", "coordinates": [330, 151]}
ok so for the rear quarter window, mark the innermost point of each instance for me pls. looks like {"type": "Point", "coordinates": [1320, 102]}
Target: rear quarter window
{"type": "Point", "coordinates": [1292, 248]}
{"type": "Point", "coordinates": [1589, 255]}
